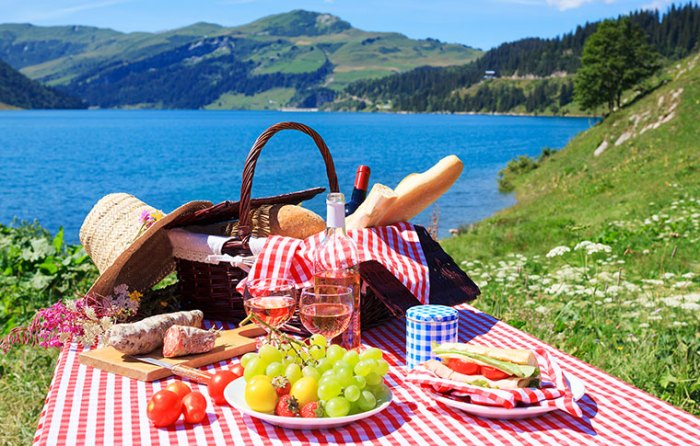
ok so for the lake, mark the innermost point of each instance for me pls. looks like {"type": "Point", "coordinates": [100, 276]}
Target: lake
{"type": "Point", "coordinates": [54, 165]}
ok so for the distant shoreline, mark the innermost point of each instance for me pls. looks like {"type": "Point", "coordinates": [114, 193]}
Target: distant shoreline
{"type": "Point", "coordinates": [5, 107]}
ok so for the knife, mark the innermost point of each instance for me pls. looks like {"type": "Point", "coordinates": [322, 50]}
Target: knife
{"type": "Point", "coordinates": [185, 371]}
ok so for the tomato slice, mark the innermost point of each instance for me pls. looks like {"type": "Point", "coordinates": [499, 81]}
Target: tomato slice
{"type": "Point", "coordinates": [493, 373]}
{"type": "Point", "coordinates": [464, 367]}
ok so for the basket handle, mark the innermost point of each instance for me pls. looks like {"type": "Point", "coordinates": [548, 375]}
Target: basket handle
{"type": "Point", "coordinates": [252, 159]}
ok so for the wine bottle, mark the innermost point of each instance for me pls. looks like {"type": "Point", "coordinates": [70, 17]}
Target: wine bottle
{"type": "Point", "coordinates": [336, 263]}
{"type": "Point", "coordinates": [359, 191]}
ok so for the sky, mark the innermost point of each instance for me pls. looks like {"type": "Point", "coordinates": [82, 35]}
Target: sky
{"type": "Point", "coordinates": [477, 23]}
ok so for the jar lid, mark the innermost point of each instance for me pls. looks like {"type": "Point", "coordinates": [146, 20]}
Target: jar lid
{"type": "Point", "coordinates": [432, 313]}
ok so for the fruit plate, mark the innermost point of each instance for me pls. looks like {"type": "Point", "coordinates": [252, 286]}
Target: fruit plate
{"type": "Point", "coordinates": [234, 394]}
{"type": "Point", "coordinates": [575, 384]}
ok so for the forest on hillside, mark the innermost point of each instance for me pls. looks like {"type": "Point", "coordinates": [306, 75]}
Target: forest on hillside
{"type": "Point", "coordinates": [674, 34]}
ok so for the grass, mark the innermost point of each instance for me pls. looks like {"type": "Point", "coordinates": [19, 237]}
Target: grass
{"type": "Point", "coordinates": [632, 311]}
{"type": "Point", "coordinates": [271, 99]}
{"type": "Point", "coordinates": [25, 375]}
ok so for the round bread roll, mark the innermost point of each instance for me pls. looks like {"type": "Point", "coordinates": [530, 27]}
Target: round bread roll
{"type": "Point", "coordinates": [293, 221]}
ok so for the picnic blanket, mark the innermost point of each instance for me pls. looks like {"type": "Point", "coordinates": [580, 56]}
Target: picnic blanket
{"type": "Point", "coordinates": [86, 406]}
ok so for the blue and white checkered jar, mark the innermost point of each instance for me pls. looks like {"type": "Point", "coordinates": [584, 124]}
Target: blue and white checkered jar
{"type": "Point", "coordinates": [426, 324]}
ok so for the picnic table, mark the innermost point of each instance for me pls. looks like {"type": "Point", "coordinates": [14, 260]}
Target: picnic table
{"type": "Point", "coordinates": [88, 406]}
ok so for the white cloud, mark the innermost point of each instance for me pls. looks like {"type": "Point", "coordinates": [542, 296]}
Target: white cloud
{"type": "Point", "coordinates": [657, 4]}
{"type": "Point", "coordinates": [563, 5]}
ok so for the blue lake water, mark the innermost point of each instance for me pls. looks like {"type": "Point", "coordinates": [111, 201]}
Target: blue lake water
{"type": "Point", "coordinates": [54, 165]}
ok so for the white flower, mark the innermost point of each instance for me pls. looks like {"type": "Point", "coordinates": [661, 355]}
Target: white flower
{"type": "Point", "coordinates": [558, 251]}
{"type": "Point", "coordinates": [542, 310]}
{"type": "Point", "coordinates": [646, 251]}
{"type": "Point", "coordinates": [686, 302]}
{"type": "Point", "coordinates": [688, 275]}
{"type": "Point", "coordinates": [680, 324]}
{"type": "Point", "coordinates": [653, 282]}
{"type": "Point", "coordinates": [682, 284]}
{"type": "Point", "coordinates": [529, 302]}
{"type": "Point", "coordinates": [643, 325]}
{"type": "Point", "coordinates": [592, 248]}
{"type": "Point", "coordinates": [607, 300]}
{"type": "Point", "coordinates": [668, 276]}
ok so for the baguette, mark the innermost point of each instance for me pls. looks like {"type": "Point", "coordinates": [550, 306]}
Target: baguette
{"type": "Point", "coordinates": [417, 191]}
{"type": "Point", "coordinates": [378, 202]}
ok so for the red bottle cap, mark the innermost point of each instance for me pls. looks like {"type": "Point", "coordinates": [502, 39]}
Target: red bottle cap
{"type": "Point", "coordinates": [362, 177]}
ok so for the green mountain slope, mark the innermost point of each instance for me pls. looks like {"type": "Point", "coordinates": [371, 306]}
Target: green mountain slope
{"type": "Point", "coordinates": [17, 91]}
{"type": "Point", "coordinates": [599, 256]}
{"type": "Point", "coordinates": [312, 53]}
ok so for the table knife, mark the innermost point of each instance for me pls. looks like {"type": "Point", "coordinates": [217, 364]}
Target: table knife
{"type": "Point", "coordinates": [188, 372]}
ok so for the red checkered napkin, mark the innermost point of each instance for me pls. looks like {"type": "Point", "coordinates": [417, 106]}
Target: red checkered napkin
{"type": "Point", "coordinates": [397, 247]}
{"type": "Point", "coordinates": [554, 392]}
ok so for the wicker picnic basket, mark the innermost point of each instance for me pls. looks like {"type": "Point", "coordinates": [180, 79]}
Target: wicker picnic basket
{"type": "Point", "coordinates": [212, 287]}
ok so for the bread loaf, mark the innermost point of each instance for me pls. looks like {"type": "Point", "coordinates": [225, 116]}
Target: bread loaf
{"type": "Point", "coordinates": [370, 212]}
{"type": "Point", "coordinates": [418, 191]}
{"type": "Point", "coordinates": [294, 221]}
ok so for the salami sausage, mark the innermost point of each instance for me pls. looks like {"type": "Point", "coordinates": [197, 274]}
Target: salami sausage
{"type": "Point", "coordinates": [181, 340]}
{"type": "Point", "coordinates": [147, 334]}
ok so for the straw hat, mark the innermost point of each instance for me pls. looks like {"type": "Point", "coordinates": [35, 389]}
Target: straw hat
{"type": "Point", "coordinates": [126, 239]}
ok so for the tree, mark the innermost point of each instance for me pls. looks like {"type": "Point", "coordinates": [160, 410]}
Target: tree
{"type": "Point", "coordinates": [616, 57]}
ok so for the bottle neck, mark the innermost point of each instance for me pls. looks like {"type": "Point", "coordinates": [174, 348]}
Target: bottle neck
{"type": "Point", "coordinates": [358, 195]}
{"type": "Point", "coordinates": [335, 216]}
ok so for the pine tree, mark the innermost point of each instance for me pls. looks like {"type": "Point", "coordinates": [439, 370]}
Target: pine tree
{"type": "Point", "coordinates": [616, 57]}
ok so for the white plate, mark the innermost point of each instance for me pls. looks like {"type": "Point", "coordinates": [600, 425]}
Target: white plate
{"type": "Point", "coordinates": [577, 389]}
{"type": "Point", "coordinates": [234, 394]}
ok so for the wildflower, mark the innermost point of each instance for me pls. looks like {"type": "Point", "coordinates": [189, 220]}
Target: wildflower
{"type": "Point", "coordinates": [686, 302]}
{"type": "Point", "coordinates": [688, 275]}
{"type": "Point", "coordinates": [643, 325]}
{"type": "Point", "coordinates": [667, 276]}
{"type": "Point", "coordinates": [653, 282]}
{"type": "Point", "coordinates": [558, 251]}
{"type": "Point", "coordinates": [683, 284]}
{"type": "Point", "coordinates": [680, 324]}
{"type": "Point", "coordinates": [592, 248]}
{"type": "Point", "coordinates": [542, 310]}
{"type": "Point", "coordinates": [607, 300]}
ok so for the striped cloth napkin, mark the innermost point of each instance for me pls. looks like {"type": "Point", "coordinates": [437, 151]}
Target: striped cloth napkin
{"type": "Point", "coordinates": [396, 247]}
{"type": "Point", "coordinates": [554, 391]}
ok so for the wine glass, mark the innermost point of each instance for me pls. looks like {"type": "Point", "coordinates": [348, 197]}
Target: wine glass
{"type": "Point", "coordinates": [326, 310]}
{"type": "Point", "coordinates": [270, 300]}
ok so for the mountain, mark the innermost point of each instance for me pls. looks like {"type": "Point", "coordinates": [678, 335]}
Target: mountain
{"type": "Point", "coordinates": [299, 58]}
{"type": "Point", "coordinates": [674, 34]}
{"type": "Point", "coordinates": [17, 91]}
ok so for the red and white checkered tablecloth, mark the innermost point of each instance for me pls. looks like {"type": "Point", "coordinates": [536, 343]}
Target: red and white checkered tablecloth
{"type": "Point", "coordinates": [89, 406]}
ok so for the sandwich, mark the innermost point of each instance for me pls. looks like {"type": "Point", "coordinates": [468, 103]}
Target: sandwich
{"type": "Point", "coordinates": [496, 368]}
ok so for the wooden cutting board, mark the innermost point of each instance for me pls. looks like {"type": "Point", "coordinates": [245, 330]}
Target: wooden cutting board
{"type": "Point", "coordinates": [230, 343]}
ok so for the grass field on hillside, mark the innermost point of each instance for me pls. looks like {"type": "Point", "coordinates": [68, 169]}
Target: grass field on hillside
{"type": "Point", "coordinates": [599, 258]}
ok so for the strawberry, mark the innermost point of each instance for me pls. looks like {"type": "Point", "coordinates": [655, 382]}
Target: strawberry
{"type": "Point", "coordinates": [287, 406]}
{"type": "Point", "coordinates": [312, 410]}
{"type": "Point", "coordinates": [282, 385]}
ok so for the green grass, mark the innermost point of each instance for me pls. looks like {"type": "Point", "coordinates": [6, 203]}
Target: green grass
{"type": "Point", "coordinates": [25, 375]}
{"type": "Point", "coordinates": [633, 311]}
{"type": "Point", "coordinates": [36, 269]}
{"type": "Point", "coordinates": [268, 100]}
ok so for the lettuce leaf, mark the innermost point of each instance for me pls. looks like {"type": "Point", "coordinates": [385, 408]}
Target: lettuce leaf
{"type": "Point", "coordinates": [519, 370]}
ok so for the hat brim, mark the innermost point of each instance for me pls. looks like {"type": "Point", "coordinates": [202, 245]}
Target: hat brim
{"type": "Point", "coordinates": [147, 260]}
